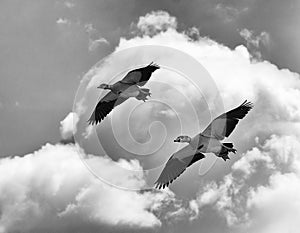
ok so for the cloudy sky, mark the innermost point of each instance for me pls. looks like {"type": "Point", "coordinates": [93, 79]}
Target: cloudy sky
{"type": "Point", "coordinates": [249, 49]}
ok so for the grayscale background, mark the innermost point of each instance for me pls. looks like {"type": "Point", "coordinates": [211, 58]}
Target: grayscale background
{"type": "Point", "coordinates": [249, 47]}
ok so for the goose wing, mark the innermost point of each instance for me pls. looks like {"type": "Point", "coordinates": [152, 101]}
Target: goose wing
{"type": "Point", "coordinates": [140, 76]}
{"type": "Point", "coordinates": [176, 165]}
{"type": "Point", "coordinates": [223, 125]}
{"type": "Point", "coordinates": [104, 107]}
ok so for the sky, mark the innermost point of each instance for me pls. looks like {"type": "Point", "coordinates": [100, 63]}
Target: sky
{"type": "Point", "coordinates": [51, 48]}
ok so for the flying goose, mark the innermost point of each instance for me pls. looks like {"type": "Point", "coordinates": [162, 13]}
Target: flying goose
{"type": "Point", "coordinates": [120, 91]}
{"type": "Point", "coordinates": [209, 141]}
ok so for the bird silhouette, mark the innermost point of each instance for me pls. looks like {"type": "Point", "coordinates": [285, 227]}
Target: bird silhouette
{"type": "Point", "coordinates": [129, 86]}
{"type": "Point", "coordinates": [209, 141]}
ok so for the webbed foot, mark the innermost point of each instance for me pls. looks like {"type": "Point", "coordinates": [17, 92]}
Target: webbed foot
{"type": "Point", "coordinates": [143, 95]}
{"type": "Point", "coordinates": [224, 157]}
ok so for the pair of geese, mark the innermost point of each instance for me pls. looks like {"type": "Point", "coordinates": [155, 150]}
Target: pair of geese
{"type": "Point", "coordinates": [209, 141]}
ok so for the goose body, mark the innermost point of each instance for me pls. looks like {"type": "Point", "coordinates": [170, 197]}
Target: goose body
{"type": "Point", "coordinates": [129, 86]}
{"type": "Point", "coordinates": [208, 141]}
{"type": "Point", "coordinates": [208, 144]}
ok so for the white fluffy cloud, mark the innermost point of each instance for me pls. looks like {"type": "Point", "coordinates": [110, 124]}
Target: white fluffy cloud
{"type": "Point", "coordinates": [52, 190]}
{"type": "Point", "coordinates": [276, 208]}
{"type": "Point", "coordinates": [94, 44]}
{"type": "Point", "coordinates": [95, 40]}
{"type": "Point", "coordinates": [269, 136]}
{"type": "Point", "coordinates": [228, 13]}
{"type": "Point", "coordinates": [254, 43]}
{"type": "Point", "coordinates": [155, 22]}
{"type": "Point", "coordinates": [263, 38]}
{"type": "Point", "coordinates": [262, 191]}
{"type": "Point", "coordinates": [274, 91]}
{"type": "Point", "coordinates": [69, 4]}
{"type": "Point", "coordinates": [63, 21]}
{"type": "Point", "coordinates": [68, 126]}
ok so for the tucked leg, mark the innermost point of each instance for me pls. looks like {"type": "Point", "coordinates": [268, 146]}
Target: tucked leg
{"type": "Point", "coordinates": [143, 94]}
{"type": "Point", "coordinates": [226, 148]}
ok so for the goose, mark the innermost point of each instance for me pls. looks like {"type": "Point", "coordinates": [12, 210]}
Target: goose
{"type": "Point", "coordinates": [122, 90]}
{"type": "Point", "coordinates": [209, 141]}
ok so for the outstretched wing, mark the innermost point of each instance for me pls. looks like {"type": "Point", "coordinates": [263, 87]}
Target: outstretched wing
{"type": "Point", "coordinates": [176, 165]}
{"type": "Point", "coordinates": [104, 107]}
{"type": "Point", "coordinates": [223, 125]}
{"type": "Point", "coordinates": [140, 76]}
{"type": "Point", "coordinates": [172, 170]}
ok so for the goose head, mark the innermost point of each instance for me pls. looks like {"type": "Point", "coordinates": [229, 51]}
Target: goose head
{"type": "Point", "coordinates": [104, 86]}
{"type": "Point", "coordinates": [183, 139]}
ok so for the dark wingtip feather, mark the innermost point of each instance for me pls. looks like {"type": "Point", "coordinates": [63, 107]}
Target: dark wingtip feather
{"type": "Point", "coordinates": [92, 120]}
{"type": "Point", "coordinates": [247, 104]}
{"type": "Point", "coordinates": [157, 184]}
{"type": "Point", "coordinates": [160, 185]}
{"type": "Point", "coordinates": [154, 65]}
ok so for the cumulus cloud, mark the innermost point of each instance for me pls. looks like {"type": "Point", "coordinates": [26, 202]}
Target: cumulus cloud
{"type": "Point", "coordinates": [193, 33]}
{"type": "Point", "coordinates": [95, 40]}
{"type": "Point", "coordinates": [268, 149]}
{"type": "Point", "coordinates": [249, 36]}
{"type": "Point", "coordinates": [260, 190]}
{"type": "Point", "coordinates": [155, 22]}
{"type": "Point", "coordinates": [63, 21]}
{"type": "Point", "coordinates": [68, 126]}
{"type": "Point", "coordinates": [260, 193]}
{"type": "Point", "coordinates": [226, 198]}
{"type": "Point", "coordinates": [276, 105]}
{"type": "Point", "coordinates": [245, 164]}
{"type": "Point", "coordinates": [227, 12]}
{"type": "Point", "coordinates": [52, 190]}
{"type": "Point", "coordinates": [276, 207]}
{"type": "Point", "coordinates": [255, 42]}
{"type": "Point", "coordinates": [94, 44]}
{"type": "Point", "coordinates": [69, 4]}
{"type": "Point", "coordinates": [235, 74]}
{"type": "Point", "coordinates": [70, 30]}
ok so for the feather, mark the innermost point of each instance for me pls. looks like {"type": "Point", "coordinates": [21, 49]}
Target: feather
{"type": "Point", "coordinates": [223, 125]}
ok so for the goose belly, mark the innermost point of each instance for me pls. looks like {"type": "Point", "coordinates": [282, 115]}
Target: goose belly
{"type": "Point", "coordinates": [131, 91]}
{"type": "Point", "coordinates": [210, 145]}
